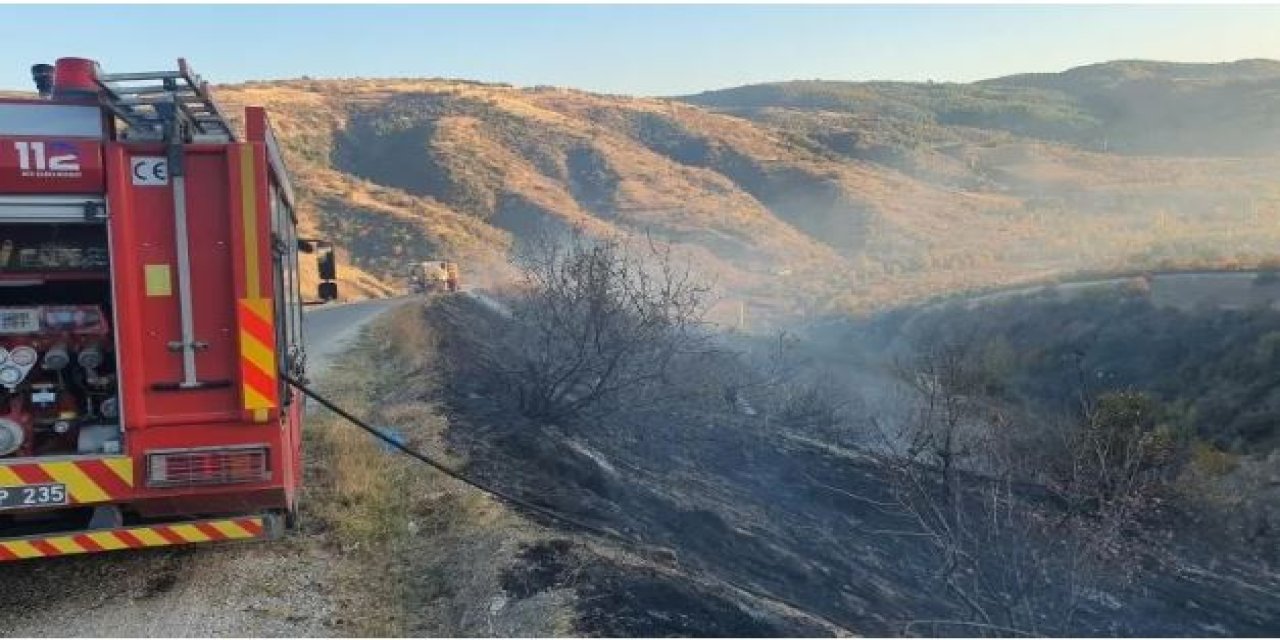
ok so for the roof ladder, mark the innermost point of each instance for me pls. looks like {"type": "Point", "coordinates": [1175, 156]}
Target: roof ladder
{"type": "Point", "coordinates": [144, 101]}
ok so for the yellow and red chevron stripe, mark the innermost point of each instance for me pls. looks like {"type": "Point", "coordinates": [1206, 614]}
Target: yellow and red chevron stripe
{"type": "Point", "coordinates": [257, 354]}
{"type": "Point", "coordinates": [87, 480]}
{"type": "Point", "coordinates": [132, 538]}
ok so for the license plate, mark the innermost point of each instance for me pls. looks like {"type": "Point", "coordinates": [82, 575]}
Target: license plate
{"type": "Point", "coordinates": [33, 495]}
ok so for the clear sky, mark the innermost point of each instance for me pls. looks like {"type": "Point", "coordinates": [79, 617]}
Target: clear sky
{"type": "Point", "coordinates": [646, 50]}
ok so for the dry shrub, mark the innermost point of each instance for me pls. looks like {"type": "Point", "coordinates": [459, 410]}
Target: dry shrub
{"type": "Point", "coordinates": [598, 324]}
{"type": "Point", "coordinates": [1208, 460]}
{"type": "Point", "coordinates": [1124, 454]}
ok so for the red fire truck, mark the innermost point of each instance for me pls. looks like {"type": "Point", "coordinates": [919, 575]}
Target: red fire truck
{"type": "Point", "coordinates": [149, 302]}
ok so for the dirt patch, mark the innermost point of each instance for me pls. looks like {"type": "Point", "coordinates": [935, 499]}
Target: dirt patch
{"type": "Point", "coordinates": [159, 583]}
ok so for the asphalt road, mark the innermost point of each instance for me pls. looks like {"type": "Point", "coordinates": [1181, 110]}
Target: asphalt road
{"type": "Point", "coordinates": [329, 328]}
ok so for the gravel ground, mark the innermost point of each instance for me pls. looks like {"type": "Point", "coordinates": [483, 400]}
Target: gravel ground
{"type": "Point", "coordinates": [245, 590]}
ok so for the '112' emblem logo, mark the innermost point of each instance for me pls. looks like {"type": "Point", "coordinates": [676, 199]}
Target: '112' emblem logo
{"type": "Point", "coordinates": [61, 160]}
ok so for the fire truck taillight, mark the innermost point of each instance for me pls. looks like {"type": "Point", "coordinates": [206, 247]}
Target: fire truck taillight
{"type": "Point", "coordinates": [182, 468]}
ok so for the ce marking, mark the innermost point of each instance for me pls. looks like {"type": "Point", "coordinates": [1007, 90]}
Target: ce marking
{"type": "Point", "coordinates": [150, 171]}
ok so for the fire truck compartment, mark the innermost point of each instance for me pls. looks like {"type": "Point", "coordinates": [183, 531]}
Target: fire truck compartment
{"type": "Point", "coordinates": [58, 371]}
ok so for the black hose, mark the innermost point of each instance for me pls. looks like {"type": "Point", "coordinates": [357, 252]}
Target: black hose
{"type": "Point", "coordinates": [449, 471]}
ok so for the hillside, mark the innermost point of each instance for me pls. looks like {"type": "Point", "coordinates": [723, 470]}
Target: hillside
{"type": "Point", "coordinates": [1197, 352]}
{"type": "Point", "coordinates": [797, 197]}
{"type": "Point", "coordinates": [1212, 364]}
{"type": "Point", "coordinates": [1130, 107]}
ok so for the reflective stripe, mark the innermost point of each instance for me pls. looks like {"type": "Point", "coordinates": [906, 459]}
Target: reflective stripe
{"type": "Point", "coordinates": [122, 467]}
{"type": "Point", "coordinates": [231, 530]}
{"type": "Point", "coordinates": [149, 537]}
{"type": "Point", "coordinates": [64, 545]}
{"type": "Point", "coordinates": [108, 541]}
{"type": "Point", "coordinates": [132, 538]}
{"type": "Point", "coordinates": [258, 378]}
{"type": "Point", "coordinates": [82, 488]}
{"type": "Point", "coordinates": [23, 549]}
{"type": "Point", "coordinates": [189, 533]}
{"type": "Point", "coordinates": [88, 481]}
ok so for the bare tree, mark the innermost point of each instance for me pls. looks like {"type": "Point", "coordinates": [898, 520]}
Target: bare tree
{"type": "Point", "coordinates": [942, 428]}
{"type": "Point", "coordinates": [599, 320]}
{"type": "Point", "coordinates": [1004, 563]}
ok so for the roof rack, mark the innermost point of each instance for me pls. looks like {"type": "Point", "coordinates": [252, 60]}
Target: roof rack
{"type": "Point", "coordinates": [144, 101]}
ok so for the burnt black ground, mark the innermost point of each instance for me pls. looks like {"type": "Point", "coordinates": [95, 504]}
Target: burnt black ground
{"type": "Point", "coordinates": [794, 521]}
{"type": "Point", "coordinates": [628, 601]}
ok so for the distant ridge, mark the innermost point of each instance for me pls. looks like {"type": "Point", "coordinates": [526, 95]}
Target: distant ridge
{"type": "Point", "coordinates": [807, 195]}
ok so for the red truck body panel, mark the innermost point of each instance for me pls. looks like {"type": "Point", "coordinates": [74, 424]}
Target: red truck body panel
{"type": "Point", "coordinates": [240, 231]}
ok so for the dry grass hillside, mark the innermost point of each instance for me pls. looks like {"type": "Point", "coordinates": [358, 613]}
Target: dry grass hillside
{"type": "Point", "coordinates": [794, 205]}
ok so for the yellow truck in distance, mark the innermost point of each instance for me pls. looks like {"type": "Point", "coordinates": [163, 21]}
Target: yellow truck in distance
{"type": "Point", "coordinates": [433, 276]}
